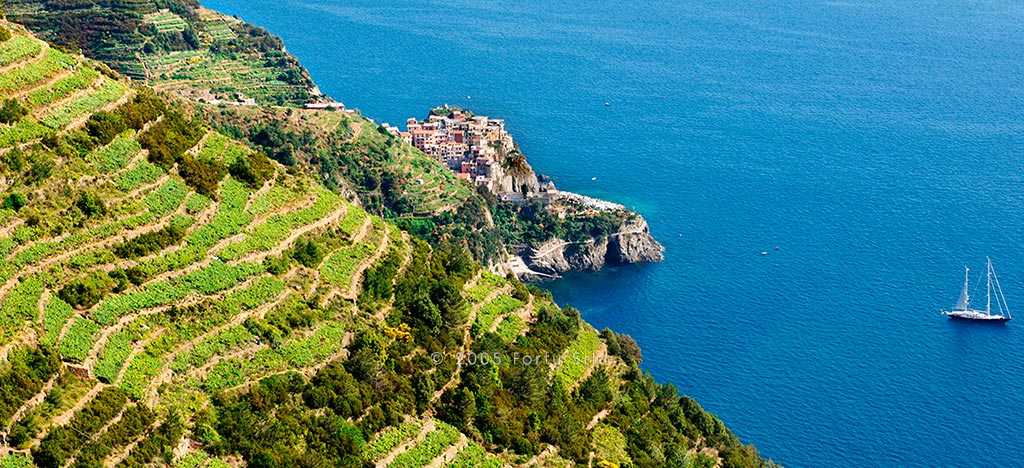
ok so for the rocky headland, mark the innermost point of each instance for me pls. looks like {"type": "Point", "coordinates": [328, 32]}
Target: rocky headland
{"type": "Point", "coordinates": [553, 231]}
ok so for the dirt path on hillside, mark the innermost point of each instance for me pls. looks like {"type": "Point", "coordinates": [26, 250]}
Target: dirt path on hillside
{"type": "Point", "coordinates": [65, 417]}
{"type": "Point", "coordinates": [599, 358]}
{"type": "Point", "coordinates": [467, 340]}
{"type": "Point", "coordinates": [47, 262]}
{"type": "Point", "coordinates": [117, 456]}
{"type": "Point", "coordinates": [428, 426]}
{"type": "Point", "coordinates": [449, 454]}
{"type": "Point", "coordinates": [382, 314]}
{"type": "Point", "coordinates": [29, 61]}
{"type": "Point", "coordinates": [540, 458]}
{"type": "Point", "coordinates": [355, 284]}
{"type": "Point", "coordinates": [525, 312]}
{"type": "Point", "coordinates": [80, 121]}
{"type": "Point", "coordinates": [35, 400]}
{"type": "Point", "coordinates": [40, 112]}
{"type": "Point", "coordinates": [136, 350]}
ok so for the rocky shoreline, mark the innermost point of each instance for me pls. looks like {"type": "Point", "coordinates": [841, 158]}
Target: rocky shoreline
{"type": "Point", "coordinates": [631, 243]}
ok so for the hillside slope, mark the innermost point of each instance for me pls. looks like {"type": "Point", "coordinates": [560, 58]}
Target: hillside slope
{"type": "Point", "coordinates": [245, 83]}
{"type": "Point", "coordinates": [174, 45]}
{"type": "Point", "coordinates": [169, 296]}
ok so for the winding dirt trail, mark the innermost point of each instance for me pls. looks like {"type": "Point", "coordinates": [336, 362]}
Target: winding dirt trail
{"type": "Point", "coordinates": [65, 417]}
{"type": "Point", "coordinates": [28, 61]}
{"type": "Point", "coordinates": [450, 453]}
{"type": "Point", "coordinates": [355, 284]}
{"type": "Point", "coordinates": [117, 456]}
{"type": "Point", "coordinates": [467, 340]}
{"type": "Point", "coordinates": [428, 426]}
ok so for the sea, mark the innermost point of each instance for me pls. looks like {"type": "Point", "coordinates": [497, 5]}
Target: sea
{"type": "Point", "coordinates": [820, 173]}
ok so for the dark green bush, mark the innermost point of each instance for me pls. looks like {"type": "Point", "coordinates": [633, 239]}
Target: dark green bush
{"type": "Point", "coordinates": [203, 176]}
{"type": "Point", "coordinates": [307, 253]}
{"type": "Point", "coordinates": [11, 111]}
{"type": "Point", "coordinates": [253, 169]}
{"type": "Point", "coordinates": [150, 242]}
{"type": "Point", "coordinates": [15, 201]}
{"type": "Point", "coordinates": [87, 291]}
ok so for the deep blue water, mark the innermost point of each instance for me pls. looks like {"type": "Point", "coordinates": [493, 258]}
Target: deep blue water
{"type": "Point", "coordinates": [877, 144]}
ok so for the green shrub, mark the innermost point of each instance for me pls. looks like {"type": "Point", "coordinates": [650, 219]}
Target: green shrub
{"type": "Point", "coordinates": [150, 242]}
{"type": "Point", "coordinates": [253, 169]}
{"type": "Point", "coordinates": [168, 140]}
{"type": "Point", "coordinates": [201, 175]}
{"type": "Point", "coordinates": [15, 201]}
{"type": "Point", "coordinates": [12, 111]}
{"type": "Point", "coordinates": [87, 291]}
{"type": "Point", "coordinates": [105, 126]}
{"type": "Point", "coordinates": [91, 204]}
{"type": "Point", "coordinates": [307, 253]}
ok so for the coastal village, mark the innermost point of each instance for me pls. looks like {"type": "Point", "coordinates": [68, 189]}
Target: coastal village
{"type": "Point", "coordinates": [480, 150]}
{"type": "Point", "coordinates": [477, 149]}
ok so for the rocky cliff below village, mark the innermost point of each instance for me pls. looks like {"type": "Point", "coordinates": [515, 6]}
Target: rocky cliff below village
{"type": "Point", "coordinates": [632, 242]}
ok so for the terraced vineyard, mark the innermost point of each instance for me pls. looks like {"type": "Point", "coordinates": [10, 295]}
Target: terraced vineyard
{"type": "Point", "coordinates": [168, 44]}
{"type": "Point", "coordinates": [170, 297]}
{"type": "Point", "coordinates": [165, 21]}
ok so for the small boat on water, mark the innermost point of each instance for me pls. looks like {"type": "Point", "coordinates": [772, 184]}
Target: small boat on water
{"type": "Point", "coordinates": [963, 310]}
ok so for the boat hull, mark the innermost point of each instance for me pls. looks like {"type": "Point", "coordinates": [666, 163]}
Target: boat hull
{"type": "Point", "coordinates": [976, 317]}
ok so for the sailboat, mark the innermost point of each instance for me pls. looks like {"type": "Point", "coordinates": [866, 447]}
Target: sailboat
{"type": "Point", "coordinates": [963, 310]}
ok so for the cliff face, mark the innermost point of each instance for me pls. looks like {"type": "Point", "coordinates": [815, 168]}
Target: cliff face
{"type": "Point", "coordinates": [504, 182]}
{"type": "Point", "coordinates": [632, 243]}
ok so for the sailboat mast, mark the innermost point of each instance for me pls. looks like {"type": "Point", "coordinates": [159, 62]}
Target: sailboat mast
{"type": "Point", "coordinates": [988, 292]}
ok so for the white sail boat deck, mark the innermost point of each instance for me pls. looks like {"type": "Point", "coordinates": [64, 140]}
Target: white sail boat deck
{"type": "Point", "coordinates": [963, 310]}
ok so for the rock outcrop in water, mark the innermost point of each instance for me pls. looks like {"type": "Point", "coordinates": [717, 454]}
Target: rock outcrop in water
{"type": "Point", "coordinates": [632, 243]}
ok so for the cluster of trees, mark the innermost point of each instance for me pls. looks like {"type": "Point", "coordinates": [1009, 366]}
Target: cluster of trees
{"type": "Point", "coordinates": [274, 139]}
{"type": "Point", "coordinates": [519, 407]}
{"type": "Point", "coordinates": [285, 320]}
{"type": "Point", "coordinates": [263, 424]}
{"type": "Point", "coordinates": [254, 169]}
{"type": "Point", "coordinates": [203, 175]}
{"type": "Point", "coordinates": [135, 420]}
{"type": "Point", "coordinates": [159, 443]}
{"type": "Point", "coordinates": [532, 224]}
{"type": "Point", "coordinates": [150, 242]}
{"type": "Point", "coordinates": [87, 291]}
{"type": "Point", "coordinates": [27, 371]}
{"type": "Point", "coordinates": [61, 443]}
{"type": "Point", "coordinates": [168, 41]}
{"type": "Point", "coordinates": [377, 280]}
{"type": "Point", "coordinates": [101, 28]}
{"type": "Point", "coordinates": [15, 201]}
{"type": "Point", "coordinates": [90, 204]}
{"type": "Point", "coordinates": [623, 346]}
{"type": "Point", "coordinates": [91, 30]}
{"type": "Point", "coordinates": [28, 168]}
{"type": "Point", "coordinates": [5, 33]}
{"type": "Point", "coordinates": [168, 139]}
{"type": "Point", "coordinates": [428, 296]}
{"type": "Point", "coordinates": [102, 127]}
{"type": "Point", "coordinates": [381, 381]}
